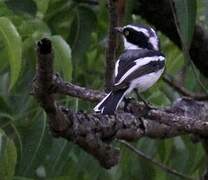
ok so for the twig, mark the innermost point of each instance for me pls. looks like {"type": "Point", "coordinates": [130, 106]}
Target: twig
{"type": "Point", "coordinates": [111, 49]}
{"type": "Point", "coordinates": [175, 85]}
{"type": "Point", "coordinates": [120, 7]}
{"type": "Point", "coordinates": [156, 163]}
{"type": "Point", "coordinates": [66, 88]}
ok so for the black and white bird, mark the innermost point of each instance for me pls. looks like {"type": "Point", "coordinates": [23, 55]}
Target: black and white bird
{"type": "Point", "coordinates": [138, 67]}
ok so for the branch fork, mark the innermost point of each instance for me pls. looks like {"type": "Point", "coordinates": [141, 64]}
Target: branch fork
{"type": "Point", "coordinates": [95, 132]}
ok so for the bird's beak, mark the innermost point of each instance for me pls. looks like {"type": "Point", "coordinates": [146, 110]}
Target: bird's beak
{"type": "Point", "coordinates": [119, 29]}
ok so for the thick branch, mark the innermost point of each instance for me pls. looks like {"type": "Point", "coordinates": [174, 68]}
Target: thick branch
{"type": "Point", "coordinates": [93, 132]}
{"type": "Point", "coordinates": [183, 114]}
{"type": "Point", "coordinates": [157, 12]}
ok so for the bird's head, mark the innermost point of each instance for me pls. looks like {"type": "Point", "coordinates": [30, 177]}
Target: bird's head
{"type": "Point", "coordinates": [139, 37]}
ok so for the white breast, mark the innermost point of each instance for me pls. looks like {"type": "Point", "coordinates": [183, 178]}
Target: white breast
{"type": "Point", "coordinates": [145, 82]}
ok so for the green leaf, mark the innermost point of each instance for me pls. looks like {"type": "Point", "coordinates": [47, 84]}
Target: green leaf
{"type": "Point", "coordinates": [35, 138]}
{"type": "Point", "coordinates": [5, 11]}
{"type": "Point", "coordinates": [35, 28]}
{"type": "Point", "coordinates": [80, 34]}
{"type": "Point", "coordinates": [186, 16]}
{"type": "Point", "coordinates": [13, 43]}
{"type": "Point", "coordinates": [59, 17]}
{"type": "Point", "coordinates": [62, 56]}
{"type": "Point", "coordinates": [22, 6]}
{"type": "Point", "coordinates": [8, 157]}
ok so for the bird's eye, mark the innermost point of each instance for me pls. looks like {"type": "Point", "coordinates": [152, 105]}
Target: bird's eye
{"type": "Point", "coordinates": [126, 33]}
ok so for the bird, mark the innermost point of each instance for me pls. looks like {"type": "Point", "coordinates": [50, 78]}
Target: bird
{"type": "Point", "coordinates": [138, 67]}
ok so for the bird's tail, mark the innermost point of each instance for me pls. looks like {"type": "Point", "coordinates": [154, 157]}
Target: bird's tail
{"type": "Point", "coordinates": [110, 103]}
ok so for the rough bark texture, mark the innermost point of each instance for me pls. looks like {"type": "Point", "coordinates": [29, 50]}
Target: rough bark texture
{"type": "Point", "coordinates": [159, 14]}
{"type": "Point", "coordinates": [94, 132]}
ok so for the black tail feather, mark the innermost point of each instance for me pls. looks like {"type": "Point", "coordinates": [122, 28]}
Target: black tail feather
{"type": "Point", "coordinates": [110, 103]}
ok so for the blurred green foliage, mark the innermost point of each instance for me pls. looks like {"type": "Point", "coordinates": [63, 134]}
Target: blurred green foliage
{"type": "Point", "coordinates": [79, 32]}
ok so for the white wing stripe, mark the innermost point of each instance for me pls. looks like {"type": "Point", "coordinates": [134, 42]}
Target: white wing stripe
{"type": "Point", "coordinates": [140, 62]}
{"type": "Point", "coordinates": [116, 67]}
{"type": "Point", "coordinates": [140, 29]}
{"type": "Point", "coordinates": [96, 108]}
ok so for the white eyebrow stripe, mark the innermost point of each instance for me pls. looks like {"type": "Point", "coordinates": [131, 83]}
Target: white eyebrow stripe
{"type": "Point", "coordinates": [139, 29]}
{"type": "Point", "coordinates": [154, 42]}
{"type": "Point", "coordinates": [139, 62]}
{"type": "Point", "coordinates": [153, 31]}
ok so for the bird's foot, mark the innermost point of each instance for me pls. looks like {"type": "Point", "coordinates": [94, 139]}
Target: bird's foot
{"type": "Point", "coordinates": [147, 108]}
{"type": "Point", "coordinates": [127, 101]}
{"type": "Point", "coordinates": [147, 104]}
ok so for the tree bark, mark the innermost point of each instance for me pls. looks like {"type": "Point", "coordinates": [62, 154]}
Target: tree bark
{"type": "Point", "coordinates": [95, 132]}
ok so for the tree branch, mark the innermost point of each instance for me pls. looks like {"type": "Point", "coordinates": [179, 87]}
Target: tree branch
{"type": "Point", "coordinates": [67, 88]}
{"type": "Point", "coordinates": [111, 49]}
{"type": "Point", "coordinates": [42, 85]}
{"type": "Point", "coordinates": [94, 132]}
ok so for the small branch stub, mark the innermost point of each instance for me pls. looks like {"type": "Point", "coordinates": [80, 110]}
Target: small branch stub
{"type": "Point", "coordinates": [42, 86]}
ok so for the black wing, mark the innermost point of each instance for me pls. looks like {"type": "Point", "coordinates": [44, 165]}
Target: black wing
{"type": "Point", "coordinates": [128, 60]}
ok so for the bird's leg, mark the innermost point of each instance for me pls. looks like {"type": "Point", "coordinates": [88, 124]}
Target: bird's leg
{"type": "Point", "coordinates": [126, 103]}
{"type": "Point", "coordinates": [143, 100]}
